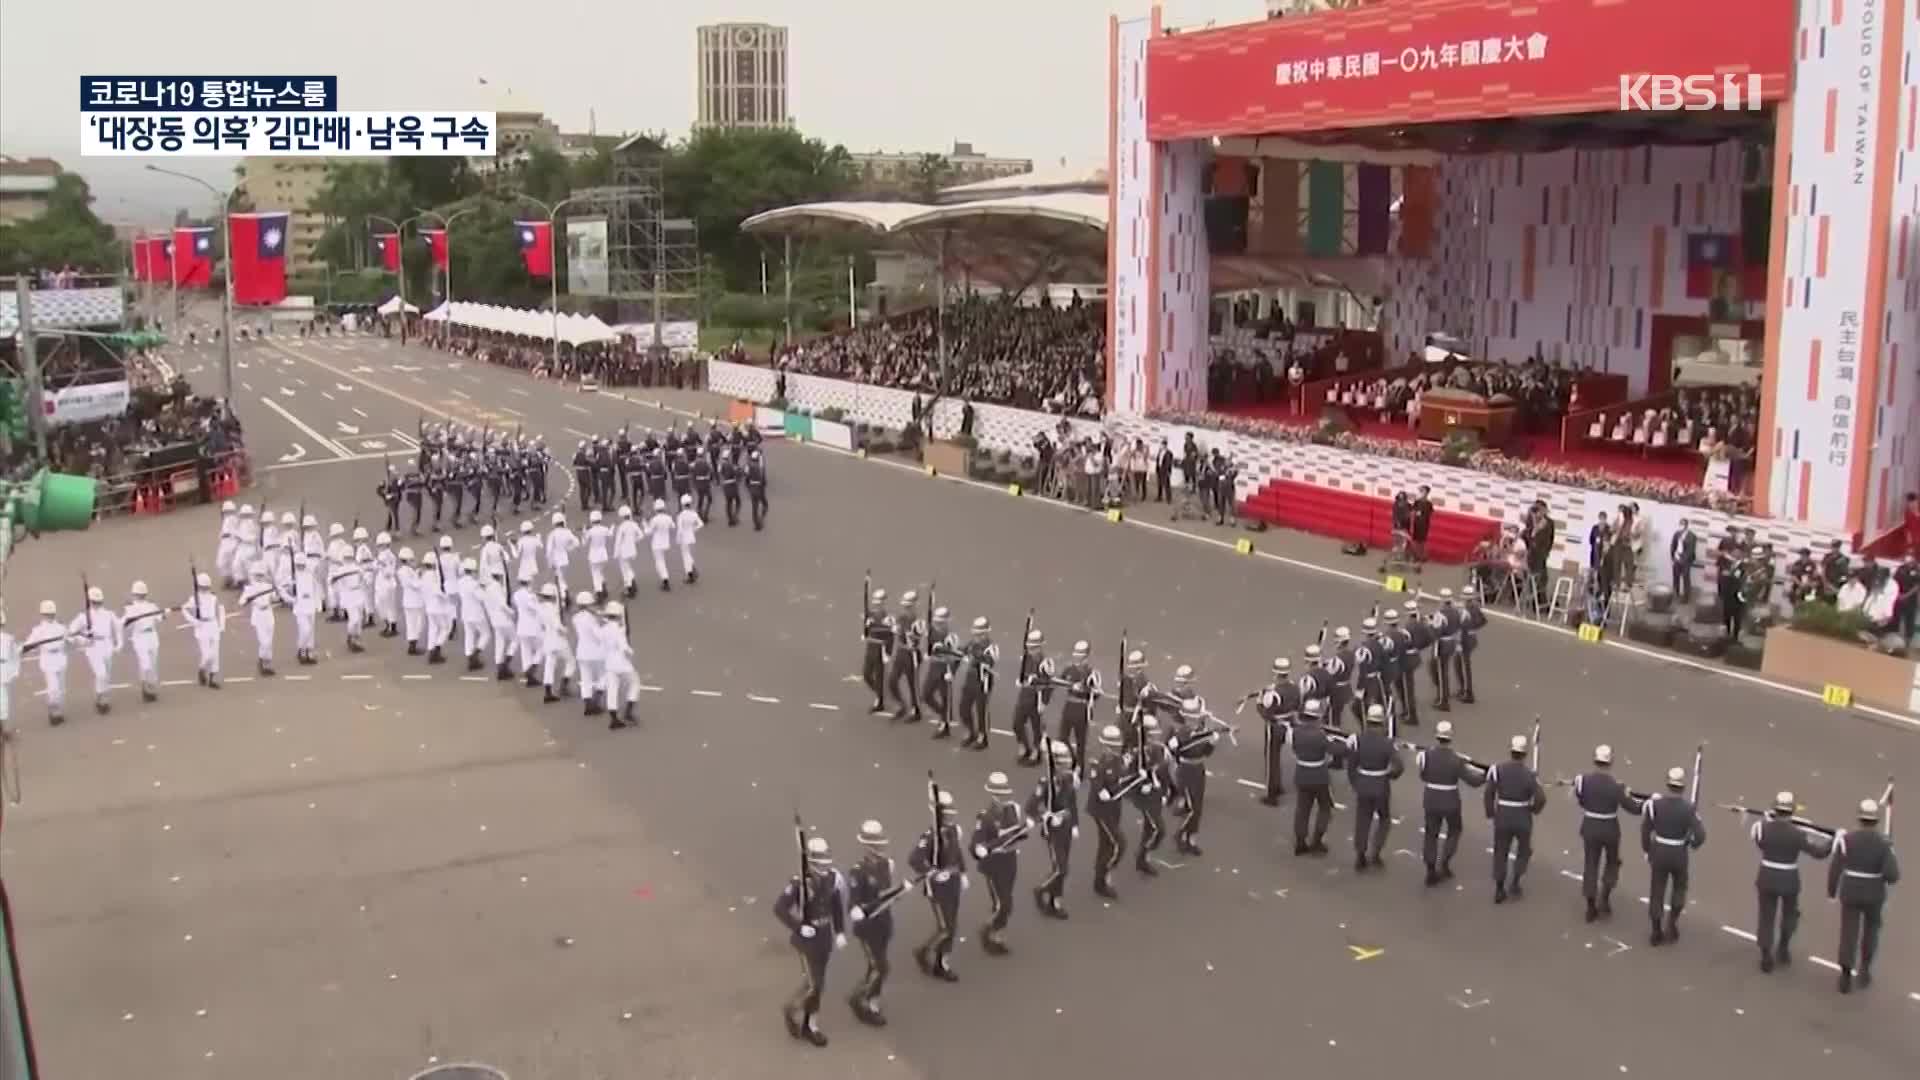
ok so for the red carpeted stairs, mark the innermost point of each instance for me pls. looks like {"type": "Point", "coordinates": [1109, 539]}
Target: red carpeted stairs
{"type": "Point", "coordinates": [1349, 515]}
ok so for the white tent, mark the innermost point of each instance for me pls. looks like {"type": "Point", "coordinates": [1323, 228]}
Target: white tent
{"type": "Point", "coordinates": [392, 307]}
{"type": "Point", "coordinates": [573, 329]}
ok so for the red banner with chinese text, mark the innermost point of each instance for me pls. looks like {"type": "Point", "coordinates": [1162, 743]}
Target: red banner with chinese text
{"type": "Point", "coordinates": [1421, 61]}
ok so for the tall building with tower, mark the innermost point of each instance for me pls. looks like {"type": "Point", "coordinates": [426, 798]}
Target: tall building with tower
{"type": "Point", "coordinates": [742, 76]}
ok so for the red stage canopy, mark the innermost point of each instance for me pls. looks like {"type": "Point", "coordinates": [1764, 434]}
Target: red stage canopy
{"type": "Point", "coordinates": [1416, 61]}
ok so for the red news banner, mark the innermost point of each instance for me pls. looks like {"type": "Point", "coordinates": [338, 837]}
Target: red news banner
{"type": "Point", "coordinates": [1418, 61]}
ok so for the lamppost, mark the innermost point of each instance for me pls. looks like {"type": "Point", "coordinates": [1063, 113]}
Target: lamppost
{"type": "Point", "coordinates": [553, 272]}
{"type": "Point", "coordinates": [400, 256]}
{"type": "Point", "coordinates": [446, 222]}
{"type": "Point", "coordinates": [226, 290]}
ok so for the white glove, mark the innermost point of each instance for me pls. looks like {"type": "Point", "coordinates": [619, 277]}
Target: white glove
{"type": "Point", "coordinates": [1057, 819]}
{"type": "Point", "coordinates": [979, 851]}
{"type": "Point", "coordinates": [941, 877]}
{"type": "Point", "coordinates": [965, 884]}
{"type": "Point", "coordinates": [1076, 832]}
{"type": "Point", "coordinates": [807, 931]}
{"type": "Point", "coordinates": [839, 941]}
{"type": "Point", "coordinates": [857, 914]}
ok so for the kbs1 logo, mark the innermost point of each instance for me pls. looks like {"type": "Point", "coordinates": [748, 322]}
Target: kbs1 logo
{"type": "Point", "coordinates": [1689, 93]}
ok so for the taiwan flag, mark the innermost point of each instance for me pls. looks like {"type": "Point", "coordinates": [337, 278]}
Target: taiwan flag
{"type": "Point", "coordinates": [436, 241]}
{"type": "Point", "coordinates": [140, 259]}
{"type": "Point", "coordinates": [160, 259]}
{"type": "Point", "coordinates": [536, 246]}
{"type": "Point", "coordinates": [257, 257]}
{"type": "Point", "coordinates": [387, 245]}
{"type": "Point", "coordinates": [1708, 256]}
{"type": "Point", "coordinates": [193, 256]}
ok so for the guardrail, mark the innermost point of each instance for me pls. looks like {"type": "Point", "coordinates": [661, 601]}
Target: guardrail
{"type": "Point", "coordinates": [159, 490]}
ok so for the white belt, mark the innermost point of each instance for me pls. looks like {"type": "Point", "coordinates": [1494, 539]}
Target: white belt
{"type": "Point", "coordinates": [1316, 763]}
{"type": "Point", "coordinates": [1455, 786]}
{"type": "Point", "coordinates": [1771, 865]}
{"type": "Point", "coordinates": [1670, 841]}
{"type": "Point", "coordinates": [1598, 816]}
{"type": "Point", "coordinates": [1515, 802]}
{"type": "Point", "coordinates": [1863, 874]}
{"type": "Point", "coordinates": [1376, 773]}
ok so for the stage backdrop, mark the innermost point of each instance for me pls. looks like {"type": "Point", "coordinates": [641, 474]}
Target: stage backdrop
{"type": "Point", "coordinates": [587, 257]}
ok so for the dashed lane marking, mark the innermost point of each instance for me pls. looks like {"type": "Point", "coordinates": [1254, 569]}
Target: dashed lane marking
{"type": "Point", "coordinates": [1003, 731]}
{"type": "Point", "coordinates": [705, 693]}
{"type": "Point", "coordinates": [650, 689]}
{"type": "Point", "coordinates": [299, 678]}
{"type": "Point", "coordinates": [416, 678]}
{"type": "Point", "coordinates": [241, 678]}
{"type": "Point", "coordinates": [568, 405]}
{"type": "Point", "coordinates": [1739, 933]}
{"type": "Point", "coordinates": [355, 678]}
{"type": "Point", "coordinates": [461, 394]}
{"type": "Point", "coordinates": [517, 390]}
{"type": "Point", "coordinates": [763, 700]}
{"type": "Point", "coordinates": [178, 682]}
{"type": "Point", "coordinates": [577, 433]}
{"type": "Point", "coordinates": [822, 706]}
{"type": "Point", "coordinates": [359, 414]}
{"type": "Point", "coordinates": [475, 678]}
{"type": "Point", "coordinates": [1254, 784]}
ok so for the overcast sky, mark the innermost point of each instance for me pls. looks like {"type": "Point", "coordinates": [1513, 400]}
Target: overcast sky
{"type": "Point", "coordinates": [1025, 78]}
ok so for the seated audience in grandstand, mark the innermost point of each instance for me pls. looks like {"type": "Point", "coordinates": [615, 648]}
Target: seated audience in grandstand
{"type": "Point", "coordinates": [612, 363]}
{"type": "Point", "coordinates": [999, 352]}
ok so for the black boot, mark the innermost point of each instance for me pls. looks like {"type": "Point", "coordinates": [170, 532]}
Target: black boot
{"type": "Point", "coordinates": [501, 672]}
{"type": "Point", "coordinates": [549, 697]}
{"type": "Point", "coordinates": [1766, 962]}
{"type": "Point", "coordinates": [413, 648]}
{"type": "Point", "coordinates": [435, 656]}
{"type": "Point", "coordinates": [473, 662]}
{"type": "Point", "coordinates": [354, 646]}
{"type": "Point", "coordinates": [532, 680]}
{"type": "Point", "coordinates": [1145, 865]}
{"type": "Point", "coordinates": [666, 585]}
{"type": "Point", "coordinates": [147, 696]}
{"type": "Point", "coordinates": [1593, 911]}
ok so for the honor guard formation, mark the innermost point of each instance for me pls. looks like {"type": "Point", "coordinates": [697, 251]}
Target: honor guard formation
{"type": "Point", "coordinates": [518, 599]}
{"type": "Point", "coordinates": [1152, 753]}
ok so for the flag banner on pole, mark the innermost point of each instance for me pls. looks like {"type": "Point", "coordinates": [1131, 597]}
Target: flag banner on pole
{"type": "Point", "coordinates": [139, 247]}
{"type": "Point", "coordinates": [258, 257]}
{"type": "Point", "coordinates": [387, 246]}
{"type": "Point", "coordinates": [436, 241]}
{"type": "Point", "coordinates": [536, 246]}
{"type": "Point", "coordinates": [193, 256]}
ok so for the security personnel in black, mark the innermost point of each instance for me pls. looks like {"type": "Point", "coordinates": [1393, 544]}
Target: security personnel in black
{"type": "Point", "coordinates": [729, 473]}
{"type": "Point", "coordinates": [1148, 757]}
{"type": "Point", "coordinates": [976, 683]}
{"type": "Point", "coordinates": [1513, 798]}
{"type": "Point", "coordinates": [583, 476]}
{"type": "Point", "coordinates": [1033, 693]}
{"type": "Point", "coordinates": [752, 436]}
{"type": "Point", "coordinates": [1189, 745]}
{"type": "Point", "coordinates": [903, 664]}
{"type": "Point", "coordinates": [537, 472]}
{"type": "Point", "coordinates": [942, 868]}
{"type": "Point", "coordinates": [1405, 659]}
{"type": "Point", "coordinates": [435, 483]}
{"type": "Point", "coordinates": [476, 473]}
{"type": "Point", "coordinates": [813, 910]}
{"type": "Point", "coordinates": [716, 443]}
{"type": "Point", "coordinates": [623, 462]}
{"type": "Point", "coordinates": [1369, 661]}
{"type": "Point", "coordinates": [1279, 709]}
{"type": "Point", "coordinates": [414, 487]}
{"type": "Point", "coordinates": [1670, 830]}
{"type": "Point", "coordinates": [650, 445]}
{"type": "Point", "coordinates": [603, 482]}
{"type": "Point", "coordinates": [1781, 841]}
{"type": "Point", "coordinates": [997, 832]}
{"type": "Point", "coordinates": [1054, 807]}
{"type": "Point", "coordinates": [1082, 682]}
{"type": "Point", "coordinates": [943, 655]}
{"type": "Point", "coordinates": [702, 476]}
{"type": "Point", "coordinates": [1601, 797]}
{"type": "Point", "coordinates": [870, 892]}
{"type": "Point", "coordinates": [757, 488]}
{"type": "Point", "coordinates": [389, 492]}
{"type": "Point", "coordinates": [680, 468]}
{"type": "Point", "coordinates": [1372, 767]}
{"type": "Point", "coordinates": [1442, 770]}
{"type": "Point", "coordinates": [1473, 619]}
{"type": "Point", "coordinates": [1862, 868]}
{"type": "Point", "coordinates": [1338, 664]}
{"type": "Point", "coordinates": [1312, 779]}
{"type": "Point", "coordinates": [1420, 637]}
{"type": "Point", "coordinates": [877, 635]}
{"type": "Point", "coordinates": [1446, 638]}
{"type": "Point", "coordinates": [1108, 782]}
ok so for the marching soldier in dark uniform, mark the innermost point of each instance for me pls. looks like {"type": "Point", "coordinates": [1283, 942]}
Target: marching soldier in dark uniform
{"type": "Point", "coordinates": [1055, 805]}
{"type": "Point", "coordinates": [1405, 659]}
{"type": "Point", "coordinates": [680, 469]}
{"type": "Point", "coordinates": [1369, 660]}
{"type": "Point", "coordinates": [936, 686]}
{"type": "Point", "coordinates": [1107, 784]}
{"type": "Point", "coordinates": [1372, 768]}
{"type": "Point", "coordinates": [976, 683]}
{"type": "Point", "coordinates": [583, 475]}
{"type": "Point", "coordinates": [1279, 708]}
{"type": "Point", "coordinates": [1338, 666]}
{"type": "Point", "coordinates": [1863, 866]}
{"type": "Point", "coordinates": [1473, 619]}
{"type": "Point", "coordinates": [942, 867]}
{"type": "Point", "coordinates": [537, 471]}
{"type": "Point", "coordinates": [1670, 830]}
{"type": "Point", "coordinates": [1442, 770]}
{"type": "Point", "coordinates": [456, 474]}
{"type": "Point", "coordinates": [476, 471]}
{"type": "Point", "coordinates": [1082, 681]}
{"type": "Point", "coordinates": [1513, 798]}
{"type": "Point", "coordinates": [413, 487]}
{"type": "Point", "coordinates": [1128, 695]}
{"type": "Point", "coordinates": [813, 909]}
{"type": "Point", "coordinates": [1312, 781]}
{"type": "Point", "coordinates": [1601, 797]}
{"type": "Point", "coordinates": [1034, 694]}
{"type": "Point", "coordinates": [389, 492]}
{"type": "Point", "coordinates": [1446, 638]}
{"type": "Point", "coordinates": [1781, 842]}
{"type": "Point", "coordinates": [870, 891]}
{"type": "Point", "coordinates": [757, 488]}
{"type": "Point", "coordinates": [1189, 745]}
{"type": "Point", "coordinates": [702, 476]}
{"type": "Point", "coordinates": [878, 635]}
{"type": "Point", "coordinates": [903, 663]}
{"type": "Point", "coordinates": [623, 463]}
{"type": "Point", "coordinates": [603, 483]}
{"type": "Point", "coordinates": [1149, 759]}
{"type": "Point", "coordinates": [494, 467]}
{"type": "Point", "coordinates": [655, 469]}
{"type": "Point", "coordinates": [729, 473]}
{"type": "Point", "coordinates": [436, 485]}
{"type": "Point", "coordinates": [997, 830]}
{"type": "Point", "coordinates": [1420, 638]}
{"type": "Point", "coordinates": [1314, 682]}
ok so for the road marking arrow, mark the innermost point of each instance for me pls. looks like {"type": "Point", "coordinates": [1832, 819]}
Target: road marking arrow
{"type": "Point", "coordinates": [295, 454]}
{"type": "Point", "coordinates": [363, 370]}
{"type": "Point", "coordinates": [373, 444]}
{"type": "Point", "coordinates": [1361, 952]}
{"type": "Point", "coordinates": [346, 428]}
{"type": "Point", "coordinates": [345, 388]}
{"type": "Point", "coordinates": [284, 392]}
{"type": "Point", "coordinates": [405, 368]}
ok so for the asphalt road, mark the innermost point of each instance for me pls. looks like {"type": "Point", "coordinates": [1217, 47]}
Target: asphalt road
{"type": "Point", "coordinates": [751, 718]}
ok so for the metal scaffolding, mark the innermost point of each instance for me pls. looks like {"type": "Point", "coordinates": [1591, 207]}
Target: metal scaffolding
{"type": "Point", "coordinates": [653, 261]}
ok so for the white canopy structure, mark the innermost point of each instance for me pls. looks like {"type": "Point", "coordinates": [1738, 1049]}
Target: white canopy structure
{"type": "Point", "coordinates": [393, 306]}
{"type": "Point", "coordinates": [571, 329]}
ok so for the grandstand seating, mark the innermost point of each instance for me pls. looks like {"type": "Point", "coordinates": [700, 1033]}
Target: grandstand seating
{"type": "Point", "coordinates": [1349, 515]}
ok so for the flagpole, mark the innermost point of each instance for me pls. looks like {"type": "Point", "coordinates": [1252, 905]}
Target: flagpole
{"type": "Point", "coordinates": [226, 291]}
{"type": "Point", "coordinates": [446, 223]}
{"type": "Point", "coordinates": [173, 271]}
{"type": "Point", "coordinates": [553, 275]}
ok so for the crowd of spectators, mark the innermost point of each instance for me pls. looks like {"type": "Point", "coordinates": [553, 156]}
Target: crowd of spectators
{"type": "Point", "coordinates": [1043, 357]}
{"type": "Point", "coordinates": [1540, 392]}
{"type": "Point", "coordinates": [617, 363]}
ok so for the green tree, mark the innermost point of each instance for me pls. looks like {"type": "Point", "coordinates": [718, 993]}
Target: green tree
{"type": "Point", "coordinates": [546, 175]}
{"type": "Point", "coordinates": [721, 177]}
{"type": "Point", "coordinates": [930, 174]}
{"type": "Point", "coordinates": [66, 234]}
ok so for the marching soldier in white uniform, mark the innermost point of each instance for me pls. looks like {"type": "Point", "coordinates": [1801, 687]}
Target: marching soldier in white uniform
{"type": "Point", "coordinates": [306, 609]}
{"type": "Point", "coordinates": [257, 598]}
{"type": "Point", "coordinates": [587, 653]}
{"type": "Point", "coordinates": [626, 549]}
{"type": "Point", "coordinates": [599, 541]}
{"type": "Point", "coordinates": [556, 652]}
{"type": "Point", "coordinates": [140, 625]}
{"type": "Point", "coordinates": [47, 644]}
{"type": "Point", "coordinates": [413, 601]}
{"type": "Point", "coordinates": [561, 544]}
{"type": "Point", "coordinates": [528, 632]}
{"type": "Point", "coordinates": [474, 635]}
{"type": "Point", "coordinates": [433, 588]}
{"type": "Point", "coordinates": [386, 586]}
{"type": "Point", "coordinates": [527, 552]}
{"type": "Point", "coordinates": [246, 548]}
{"type": "Point", "coordinates": [685, 526]}
{"type": "Point", "coordinates": [100, 631]}
{"type": "Point", "coordinates": [229, 539]}
{"type": "Point", "coordinates": [208, 617]}
{"type": "Point", "coordinates": [660, 532]}
{"type": "Point", "coordinates": [622, 682]}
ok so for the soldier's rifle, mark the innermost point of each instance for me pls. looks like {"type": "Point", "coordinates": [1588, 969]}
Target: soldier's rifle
{"type": "Point", "coordinates": [800, 846]}
{"type": "Point", "coordinates": [1831, 833]}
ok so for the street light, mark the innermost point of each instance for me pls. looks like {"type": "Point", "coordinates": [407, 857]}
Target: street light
{"type": "Point", "coordinates": [446, 222]}
{"type": "Point", "coordinates": [400, 256]}
{"type": "Point", "coordinates": [553, 272]}
{"type": "Point", "coordinates": [226, 290]}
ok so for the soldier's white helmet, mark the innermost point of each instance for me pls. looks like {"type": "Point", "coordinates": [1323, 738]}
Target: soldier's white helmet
{"type": "Point", "coordinates": [548, 592]}
{"type": "Point", "coordinates": [360, 532]}
{"type": "Point", "coordinates": [336, 529]}
{"type": "Point", "coordinates": [659, 504]}
{"type": "Point", "coordinates": [612, 610]}
{"type": "Point", "coordinates": [139, 588]}
{"type": "Point", "coordinates": [1469, 593]}
{"type": "Point", "coordinates": [383, 539]}
{"type": "Point", "coordinates": [1062, 753]}
{"type": "Point", "coordinates": [558, 520]}
{"type": "Point", "coordinates": [1603, 754]}
{"type": "Point", "coordinates": [469, 565]}
{"type": "Point", "coordinates": [626, 512]}
{"type": "Point", "coordinates": [1676, 777]}
{"type": "Point", "coordinates": [1392, 615]}
{"type": "Point", "coordinates": [1517, 744]}
{"type": "Point", "coordinates": [879, 597]}
{"type": "Point", "coordinates": [287, 519]}
{"type": "Point", "coordinates": [526, 527]}
{"type": "Point", "coordinates": [1183, 675]}
{"type": "Point", "coordinates": [486, 531]}
{"type": "Point", "coordinates": [1313, 652]}
{"type": "Point", "coordinates": [686, 500]}
{"type": "Point", "coordinates": [227, 507]}
{"type": "Point", "coordinates": [1785, 802]}
{"type": "Point", "coordinates": [945, 802]}
{"type": "Point", "coordinates": [908, 600]}
{"type": "Point", "coordinates": [1081, 649]}
{"type": "Point", "coordinates": [246, 509]}
{"type": "Point", "coordinates": [1035, 639]}
{"type": "Point", "coordinates": [1446, 596]}
{"type": "Point", "coordinates": [94, 595]}
{"type": "Point", "coordinates": [941, 614]}
{"type": "Point", "coordinates": [446, 543]}
{"type": "Point", "coordinates": [1190, 709]}
{"type": "Point", "coordinates": [406, 554]}
{"type": "Point", "coordinates": [1376, 715]}
{"type": "Point", "coordinates": [429, 559]}
{"type": "Point", "coordinates": [205, 581]}
{"type": "Point", "coordinates": [981, 625]}
{"type": "Point", "coordinates": [1370, 624]}
{"type": "Point", "coordinates": [1282, 665]}
{"type": "Point", "coordinates": [1343, 634]}
{"type": "Point", "coordinates": [873, 834]}
{"type": "Point", "coordinates": [1110, 736]}
{"type": "Point", "coordinates": [310, 522]}
{"type": "Point", "coordinates": [48, 607]}
{"type": "Point", "coordinates": [998, 784]}
{"type": "Point", "coordinates": [1136, 660]}
{"type": "Point", "coordinates": [1412, 605]}
{"type": "Point", "coordinates": [818, 852]}
{"type": "Point", "coordinates": [1315, 707]}
{"type": "Point", "coordinates": [1869, 811]}
{"type": "Point", "coordinates": [584, 599]}
{"type": "Point", "coordinates": [1443, 731]}
{"type": "Point", "coordinates": [593, 518]}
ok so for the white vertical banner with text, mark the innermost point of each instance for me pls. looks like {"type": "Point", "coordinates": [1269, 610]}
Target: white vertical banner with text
{"type": "Point", "coordinates": [1130, 181]}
